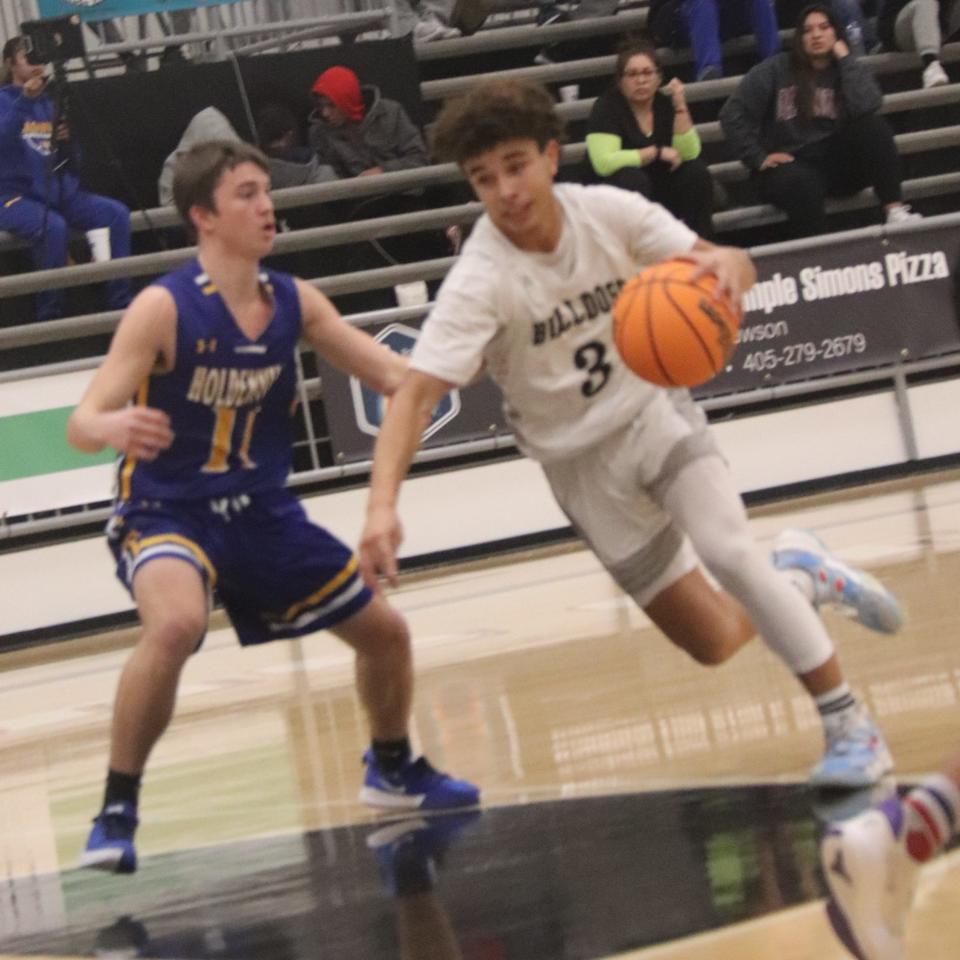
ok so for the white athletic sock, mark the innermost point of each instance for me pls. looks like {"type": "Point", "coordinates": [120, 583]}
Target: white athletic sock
{"type": "Point", "coordinates": [837, 707]}
{"type": "Point", "coordinates": [803, 582]}
{"type": "Point", "coordinates": [931, 812]}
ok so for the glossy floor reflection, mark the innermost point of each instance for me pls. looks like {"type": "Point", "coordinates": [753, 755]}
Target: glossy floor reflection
{"type": "Point", "coordinates": [572, 879]}
{"type": "Point", "coordinates": [637, 805]}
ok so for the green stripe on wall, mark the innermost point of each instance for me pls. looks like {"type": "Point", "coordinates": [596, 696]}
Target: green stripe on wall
{"type": "Point", "coordinates": [32, 444]}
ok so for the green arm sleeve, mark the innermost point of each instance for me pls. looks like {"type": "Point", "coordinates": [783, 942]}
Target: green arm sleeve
{"type": "Point", "coordinates": [606, 156]}
{"type": "Point", "coordinates": [687, 144]}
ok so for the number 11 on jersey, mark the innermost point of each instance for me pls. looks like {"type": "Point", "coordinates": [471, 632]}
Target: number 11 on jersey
{"type": "Point", "coordinates": [221, 443]}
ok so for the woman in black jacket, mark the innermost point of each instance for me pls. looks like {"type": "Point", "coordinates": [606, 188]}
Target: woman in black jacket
{"type": "Point", "coordinates": [640, 137]}
{"type": "Point", "coordinates": [807, 125]}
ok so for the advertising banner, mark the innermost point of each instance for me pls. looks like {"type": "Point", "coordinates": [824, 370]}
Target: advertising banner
{"type": "Point", "coordinates": [354, 412]}
{"type": "Point", "coordinates": [845, 307]}
{"type": "Point", "coordinates": [107, 9]}
{"type": "Point", "coordinates": [813, 313]}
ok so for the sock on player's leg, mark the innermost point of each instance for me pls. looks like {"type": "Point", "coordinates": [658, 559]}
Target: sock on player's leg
{"type": "Point", "coordinates": [837, 707]}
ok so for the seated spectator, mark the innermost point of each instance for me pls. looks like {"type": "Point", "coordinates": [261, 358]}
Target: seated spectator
{"type": "Point", "coordinates": [359, 133]}
{"type": "Point", "coordinates": [208, 124]}
{"type": "Point", "coordinates": [292, 164]}
{"type": "Point", "coordinates": [431, 20]}
{"type": "Point", "coordinates": [703, 24]}
{"type": "Point", "coordinates": [40, 195]}
{"type": "Point", "coordinates": [860, 34]}
{"type": "Point", "coordinates": [549, 12]}
{"type": "Point", "coordinates": [807, 125]}
{"type": "Point", "coordinates": [641, 137]}
{"type": "Point", "coordinates": [856, 17]}
{"type": "Point", "coordinates": [917, 25]}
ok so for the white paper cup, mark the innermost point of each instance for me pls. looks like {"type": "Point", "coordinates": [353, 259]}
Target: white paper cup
{"type": "Point", "coordinates": [413, 294]}
{"type": "Point", "coordinates": [570, 92]}
{"type": "Point", "coordinates": [99, 241]}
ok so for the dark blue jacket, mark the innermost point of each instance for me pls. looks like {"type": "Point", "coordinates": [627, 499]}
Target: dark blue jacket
{"type": "Point", "coordinates": [26, 133]}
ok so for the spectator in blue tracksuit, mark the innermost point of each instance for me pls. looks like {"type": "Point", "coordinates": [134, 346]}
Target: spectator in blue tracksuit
{"type": "Point", "coordinates": [703, 24]}
{"type": "Point", "coordinates": [37, 202]}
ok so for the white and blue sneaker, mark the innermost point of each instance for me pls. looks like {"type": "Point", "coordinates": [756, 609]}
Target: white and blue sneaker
{"type": "Point", "coordinates": [416, 786]}
{"type": "Point", "coordinates": [856, 755]}
{"type": "Point", "coordinates": [110, 844]}
{"type": "Point", "coordinates": [871, 879]}
{"type": "Point", "coordinates": [854, 591]}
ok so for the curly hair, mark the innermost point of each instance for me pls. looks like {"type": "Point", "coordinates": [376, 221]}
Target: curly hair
{"type": "Point", "coordinates": [492, 113]}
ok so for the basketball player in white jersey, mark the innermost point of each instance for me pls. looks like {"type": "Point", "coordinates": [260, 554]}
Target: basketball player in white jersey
{"type": "Point", "coordinates": [633, 466]}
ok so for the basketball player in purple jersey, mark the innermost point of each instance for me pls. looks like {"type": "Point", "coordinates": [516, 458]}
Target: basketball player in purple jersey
{"type": "Point", "coordinates": [207, 354]}
{"type": "Point", "coordinates": [634, 467]}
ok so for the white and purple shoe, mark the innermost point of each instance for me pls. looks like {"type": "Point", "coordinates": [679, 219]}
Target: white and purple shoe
{"type": "Point", "coordinates": [871, 879]}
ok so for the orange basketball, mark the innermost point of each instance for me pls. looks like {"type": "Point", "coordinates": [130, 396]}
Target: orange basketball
{"type": "Point", "coordinates": [670, 329]}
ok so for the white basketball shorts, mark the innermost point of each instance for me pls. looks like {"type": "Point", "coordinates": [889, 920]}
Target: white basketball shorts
{"type": "Point", "coordinates": [612, 493]}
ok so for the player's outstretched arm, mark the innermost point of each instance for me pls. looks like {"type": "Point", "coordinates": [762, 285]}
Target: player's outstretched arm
{"type": "Point", "coordinates": [346, 347]}
{"type": "Point", "coordinates": [145, 337]}
{"type": "Point", "coordinates": [407, 417]}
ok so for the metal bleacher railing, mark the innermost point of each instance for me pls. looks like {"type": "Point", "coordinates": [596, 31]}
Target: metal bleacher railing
{"type": "Point", "coordinates": [893, 377]}
{"type": "Point", "coordinates": [152, 264]}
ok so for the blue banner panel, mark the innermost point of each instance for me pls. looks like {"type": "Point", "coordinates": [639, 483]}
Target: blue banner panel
{"type": "Point", "coordinates": [93, 10]}
{"type": "Point", "coordinates": [354, 412]}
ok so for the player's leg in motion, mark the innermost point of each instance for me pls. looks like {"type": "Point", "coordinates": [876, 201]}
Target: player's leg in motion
{"type": "Point", "coordinates": [871, 863]}
{"type": "Point", "coordinates": [712, 625]}
{"type": "Point", "coordinates": [384, 669]}
{"type": "Point", "coordinates": [171, 599]}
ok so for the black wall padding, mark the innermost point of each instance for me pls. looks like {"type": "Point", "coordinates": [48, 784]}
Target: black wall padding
{"type": "Point", "coordinates": [136, 119]}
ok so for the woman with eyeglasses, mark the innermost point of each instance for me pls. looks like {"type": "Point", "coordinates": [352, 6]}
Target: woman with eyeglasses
{"type": "Point", "coordinates": [644, 141]}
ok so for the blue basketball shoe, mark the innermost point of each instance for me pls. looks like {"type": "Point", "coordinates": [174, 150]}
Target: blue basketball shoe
{"type": "Point", "coordinates": [871, 879]}
{"type": "Point", "coordinates": [836, 582]}
{"type": "Point", "coordinates": [856, 755]}
{"type": "Point", "coordinates": [110, 844]}
{"type": "Point", "coordinates": [409, 851]}
{"type": "Point", "coordinates": [415, 786]}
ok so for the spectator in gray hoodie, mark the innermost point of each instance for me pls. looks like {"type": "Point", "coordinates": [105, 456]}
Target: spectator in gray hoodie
{"type": "Point", "coordinates": [807, 125]}
{"type": "Point", "coordinates": [286, 170]}
{"type": "Point", "coordinates": [358, 132]}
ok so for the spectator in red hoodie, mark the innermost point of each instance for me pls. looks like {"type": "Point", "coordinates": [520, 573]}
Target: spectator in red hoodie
{"type": "Point", "coordinates": [357, 131]}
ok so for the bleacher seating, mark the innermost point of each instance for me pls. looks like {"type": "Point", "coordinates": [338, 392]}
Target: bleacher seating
{"type": "Point", "coordinates": [927, 125]}
{"type": "Point", "coordinates": [926, 121]}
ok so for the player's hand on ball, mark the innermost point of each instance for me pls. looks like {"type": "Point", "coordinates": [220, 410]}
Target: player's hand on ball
{"type": "Point", "coordinates": [732, 268]}
{"type": "Point", "coordinates": [381, 539]}
{"type": "Point", "coordinates": [140, 432]}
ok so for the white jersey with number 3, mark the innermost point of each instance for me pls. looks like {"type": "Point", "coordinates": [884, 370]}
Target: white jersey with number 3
{"type": "Point", "coordinates": [542, 323]}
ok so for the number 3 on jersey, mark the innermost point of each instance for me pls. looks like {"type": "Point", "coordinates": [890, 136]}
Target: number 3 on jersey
{"type": "Point", "coordinates": [221, 443]}
{"type": "Point", "coordinates": [590, 357]}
